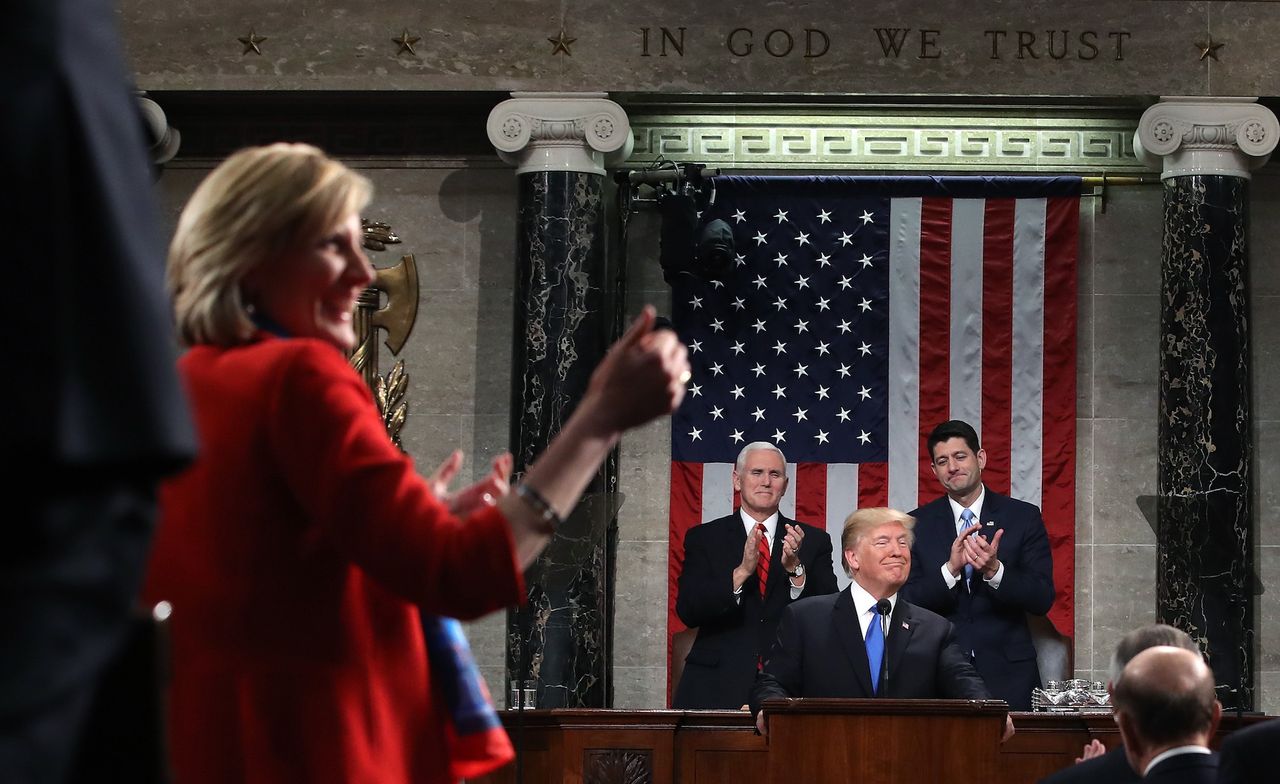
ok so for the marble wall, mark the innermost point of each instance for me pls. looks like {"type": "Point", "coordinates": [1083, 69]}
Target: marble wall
{"type": "Point", "coordinates": [457, 216]}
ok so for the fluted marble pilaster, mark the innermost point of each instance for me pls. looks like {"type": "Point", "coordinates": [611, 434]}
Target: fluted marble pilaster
{"type": "Point", "coordinates": [1206, 148]}
{"type": "Point", "coordinates": [560, 145]}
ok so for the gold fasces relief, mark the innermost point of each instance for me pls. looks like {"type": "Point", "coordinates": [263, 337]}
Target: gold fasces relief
{"type": "Point", "coordinates": [399, 283]}
{"type": "Point", "coordinates": [390, 393]}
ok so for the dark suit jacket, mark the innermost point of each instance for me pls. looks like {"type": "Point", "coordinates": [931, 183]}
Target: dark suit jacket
{"type": "Point", "coordinates": [820, 653]}
{"type": "Point", "coordinates": [1110, 768]}
{"type": "Point", "coordinates": [990, 623]}
{"type": "Point", "coordinates": [732, 634]}
{"type": "Point", "coordinates": [99, 415]}
{"type": "Point", "coordinates": [1184, 769]}
{"type": "Point", "coordinates": [1248, 755]}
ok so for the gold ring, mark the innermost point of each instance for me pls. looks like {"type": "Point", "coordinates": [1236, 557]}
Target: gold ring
{"type": "Point", "coordinates": [685, 376]}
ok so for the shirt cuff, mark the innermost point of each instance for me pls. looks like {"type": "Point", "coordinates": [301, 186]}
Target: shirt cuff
{"type": "Point", "coordinates": [994, 582]}
{"type": "Point", "coordinates": [737, 595]}
{"type": "Point", "coordinates": [948, 578]}
{"type": "Point", "coordinates": [795, 592]}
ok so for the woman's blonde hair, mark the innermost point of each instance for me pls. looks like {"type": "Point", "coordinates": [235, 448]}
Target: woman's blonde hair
{"type": "Point", "coordinates": [259, 204]}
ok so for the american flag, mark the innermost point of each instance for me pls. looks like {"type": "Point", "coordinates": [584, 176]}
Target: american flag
{"type": "Point", "coordinates": [860, 312]}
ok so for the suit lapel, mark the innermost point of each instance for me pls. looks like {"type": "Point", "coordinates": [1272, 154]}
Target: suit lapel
{"type": "Point", "coordinates": [844, 617]}
{"type": "Point", "coordinates": [901, 628]}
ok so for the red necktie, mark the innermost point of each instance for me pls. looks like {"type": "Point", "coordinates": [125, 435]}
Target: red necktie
{"type": "Point", "coordinates": [762, 565]}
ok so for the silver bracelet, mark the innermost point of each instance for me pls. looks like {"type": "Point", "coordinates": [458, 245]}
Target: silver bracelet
{"type": "Point", "coordinates": [546, 514]}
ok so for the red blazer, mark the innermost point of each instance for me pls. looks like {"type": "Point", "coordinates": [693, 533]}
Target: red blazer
{"type": "Point", "coordinates": [296, 553]}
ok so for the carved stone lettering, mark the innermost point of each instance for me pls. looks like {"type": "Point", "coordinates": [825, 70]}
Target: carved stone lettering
{"type": "Point", "coordinates": [1053, 44]}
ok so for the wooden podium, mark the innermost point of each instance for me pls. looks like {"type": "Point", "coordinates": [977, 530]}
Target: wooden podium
{"type": "Point", "coordinates": [878, 741]}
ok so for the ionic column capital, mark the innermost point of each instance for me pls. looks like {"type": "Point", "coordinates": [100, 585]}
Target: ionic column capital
{"type": "Point", "coordinates": [582, 132]}
{"type": "Point", "coordinates": [1206, 135]}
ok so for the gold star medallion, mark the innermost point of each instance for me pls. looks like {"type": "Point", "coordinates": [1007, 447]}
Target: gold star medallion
{"type": "Point", "coordinates": [1209, 49]}
{"type": "Point", "coordinates": [561, 44]}
{"type": "Point", "coordinates": [251, 42]}
{"type": "Point", "coordinates": [406, 42]}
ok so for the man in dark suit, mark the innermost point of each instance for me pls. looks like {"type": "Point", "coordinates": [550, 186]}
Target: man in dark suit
{"type": "Point", "coordinates": [740, 572]}
{"type": "Point", "coordinates": [1248, 755]}
{"type": "Point", "coordinates": [1097, 765]}
{"type": "Point", "coordinates": [841, 645]}
{"type": "Point", "coordinates": [98, 415]}
{"type": "Point", "coordinates": [1167, 712]}
{"type": "Point", "coordinates": [982, 562]}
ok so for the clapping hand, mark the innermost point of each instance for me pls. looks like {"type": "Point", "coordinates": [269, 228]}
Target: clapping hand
{"type": "Point", "coordinates": [485, 492]}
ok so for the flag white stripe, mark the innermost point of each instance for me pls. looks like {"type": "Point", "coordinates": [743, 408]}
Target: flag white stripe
{"type": "Point", "coordinates": [967, 224]}
{"type": "Point", "coordinates": [717, 490]}
{"type": "Point", "coordinates": [1026, 396]}
{"type": "Point", "coordinates": [904, 352]}
{"type": "Point", "coordinates": [787, 507]}
{"type": "Point", "coordinates": [842, 499]}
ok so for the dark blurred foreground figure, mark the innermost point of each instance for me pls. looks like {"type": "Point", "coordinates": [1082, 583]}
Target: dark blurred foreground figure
{"type": "Point", "coordinates": [1249, 755]}
{"type": "Point", "coordinates": [300, 548]}
{"type": "Point", "coordinates": [1097, 765]}
{"type": "Point", "coordinates": [1167, 713]}
{"type": "Point", "coordinates": [98, 415]}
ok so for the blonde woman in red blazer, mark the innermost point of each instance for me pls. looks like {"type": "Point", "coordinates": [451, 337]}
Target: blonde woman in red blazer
{"type": "Point", "coordinates": [299, 549]}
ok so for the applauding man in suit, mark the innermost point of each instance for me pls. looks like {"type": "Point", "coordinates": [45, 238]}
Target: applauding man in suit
{"type": "Point", "coordinates": [740, 572]}
{"type": "Point", "coordinates": [982, 562]}
{"type": "Point", "coordinates": [867, 641]}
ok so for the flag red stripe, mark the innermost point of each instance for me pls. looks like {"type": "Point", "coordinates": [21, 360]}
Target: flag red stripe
{"type": "Point", "coordinates": [997, 340]}
{"type": "Point", "coordinates": [873, 485]}
{"type": "Point", "coordinates": [935, 326]}
{"type": "Point", "coordinates": [811, 494]}
{"type": "Point", "coordinates": [1058, 501]}
{"type": "Point", "coordinates": [686, 512]}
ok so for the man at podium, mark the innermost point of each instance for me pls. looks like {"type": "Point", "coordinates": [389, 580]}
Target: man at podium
{"type": "Point", "coordinates": [865, 641]}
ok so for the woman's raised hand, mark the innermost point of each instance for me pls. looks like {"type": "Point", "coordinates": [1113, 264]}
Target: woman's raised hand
{"type": "Point", "coordinates": [642, 377]}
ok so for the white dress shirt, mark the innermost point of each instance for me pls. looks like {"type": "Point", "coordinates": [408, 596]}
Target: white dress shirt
{"type": "Point", "coordinates": [770, 524]}
{"type": "Point", "coordinates": [863, 602]}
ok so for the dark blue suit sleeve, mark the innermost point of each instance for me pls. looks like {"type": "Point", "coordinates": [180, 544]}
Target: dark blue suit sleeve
{"type": "Point", "coordinates": [957, 679]}
{"type": "Point", "coordinates": [781, 675]}
{"type": "Point", "coordinates": [925, 586]}
{"type": "Point", "coordinates": [703, 593]}
{"type": "Point", "coordinates": [820, 579]}
{"type": "Point", "coordinates": [1028, 571]}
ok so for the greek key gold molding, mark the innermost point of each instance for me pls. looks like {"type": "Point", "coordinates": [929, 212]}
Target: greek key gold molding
{"type": "Point", "coordinates": [879, 140]}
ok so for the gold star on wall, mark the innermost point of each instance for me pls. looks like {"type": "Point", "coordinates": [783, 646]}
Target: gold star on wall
{"type": "Point", "coordinates": [251, 42]}
{"type": "Point", "coordinates": [406, 42]}
{"type": "Point", "coordinates": [561, 44]}
{"type": "Point", "coordinates": [1209, 49]}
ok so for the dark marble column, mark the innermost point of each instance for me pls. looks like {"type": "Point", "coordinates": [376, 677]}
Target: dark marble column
{"type": "Point", "coordinates": [1205, 528]}
{"type": "Point", "coordinates": [563, 324]}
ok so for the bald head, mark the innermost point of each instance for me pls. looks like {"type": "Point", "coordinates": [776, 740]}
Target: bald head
{"type": "Point", "coordinates": [1165, 696]}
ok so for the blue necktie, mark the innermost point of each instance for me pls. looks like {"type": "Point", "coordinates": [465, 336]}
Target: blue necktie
{"type": "Point", "coordinates": [966, 518]}
{"type": "Point", "coordinates": [875, 648]}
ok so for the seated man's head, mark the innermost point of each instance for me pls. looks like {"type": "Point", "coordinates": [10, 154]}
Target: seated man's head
{"type": "Point", "coordinates": [1145, 637]}
{"type": "Point", "coordinates": [877, 549]}
{"type": "Point", "coordinates": [1164, 699]}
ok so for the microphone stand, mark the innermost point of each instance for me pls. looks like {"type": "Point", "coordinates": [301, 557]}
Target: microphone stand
{"type": "Point", "coordinates": [884, 610]}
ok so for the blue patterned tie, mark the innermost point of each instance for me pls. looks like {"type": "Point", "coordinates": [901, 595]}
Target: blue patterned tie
{"type": "Point", "coordinates": [966, 518]}
{"type": "Point", "coordinates": [875, 648]}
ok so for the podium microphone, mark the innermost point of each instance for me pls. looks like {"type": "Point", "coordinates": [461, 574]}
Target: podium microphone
{"type": "Point", "coordinates": [885, 610]}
